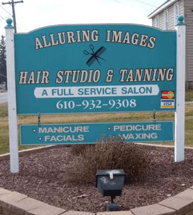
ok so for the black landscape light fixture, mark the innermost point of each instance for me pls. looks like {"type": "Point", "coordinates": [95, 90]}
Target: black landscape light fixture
{"type": "Point", "coordinates": [110, 182]}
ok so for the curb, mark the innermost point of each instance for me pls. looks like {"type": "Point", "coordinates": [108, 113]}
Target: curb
{"type": "Point", "coordinates": [14, 203]}
{"type": "Point", "coordinates": [163, 146]}
{"type": "Point", "coordinates": [27, 151]}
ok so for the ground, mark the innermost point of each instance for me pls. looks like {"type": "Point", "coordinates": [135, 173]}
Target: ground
{"type": "Point", "coordinates": [41, 177]}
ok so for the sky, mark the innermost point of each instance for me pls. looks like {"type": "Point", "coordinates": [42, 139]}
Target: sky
{"type": "Point", "coordinates": [33, 14]}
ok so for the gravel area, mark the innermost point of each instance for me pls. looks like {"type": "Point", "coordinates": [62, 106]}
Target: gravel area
{"type": "Point", "coordinates": [41, 177]}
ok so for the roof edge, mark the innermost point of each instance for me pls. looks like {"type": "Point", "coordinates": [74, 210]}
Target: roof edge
{"type": "Point", "coordinates": [161, 8]}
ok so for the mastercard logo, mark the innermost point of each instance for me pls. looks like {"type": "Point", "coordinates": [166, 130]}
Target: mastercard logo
{"type": "Point", "coordinates": [167, 95]}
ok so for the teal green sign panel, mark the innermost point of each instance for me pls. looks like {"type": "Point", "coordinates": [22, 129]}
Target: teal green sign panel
{"type": "Point", "coordinates": [95, 68]}
{"type": "Point", "coordinates": [89, 133]}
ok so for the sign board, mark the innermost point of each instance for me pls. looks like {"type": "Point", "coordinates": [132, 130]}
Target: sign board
{"type": "Point", "coordinates": [92, 69]}
{"type": "Point", "coordinates": [95, 68]}
{"type": "Point", "coordinates": [84, 133]}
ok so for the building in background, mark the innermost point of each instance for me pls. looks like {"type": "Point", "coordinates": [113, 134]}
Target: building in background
{"type": "Point", "coordinates": [3, 86]}
{"type": "Point", "coordinates": [165, 17]}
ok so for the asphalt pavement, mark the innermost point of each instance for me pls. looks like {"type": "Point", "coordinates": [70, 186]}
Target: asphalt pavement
{"type": "Point", "coordinates": [3, 98]}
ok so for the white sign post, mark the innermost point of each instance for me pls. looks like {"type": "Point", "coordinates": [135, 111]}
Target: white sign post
{"type": "Point", "coordinates": [180, 100]}
{"type": "Point", "coordinates": [13, 133]}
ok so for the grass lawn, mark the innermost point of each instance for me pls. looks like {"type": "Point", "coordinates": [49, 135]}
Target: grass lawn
{"type": "Point", "coordinates": [189, 95]}
{"type": "Point", "coordinates": [4, 136]}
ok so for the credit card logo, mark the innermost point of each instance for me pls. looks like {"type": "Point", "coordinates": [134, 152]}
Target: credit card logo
{"type": "Point", "coordinates": [167, 103]}
{"type": "Point", "coordinates": [167, 95]}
